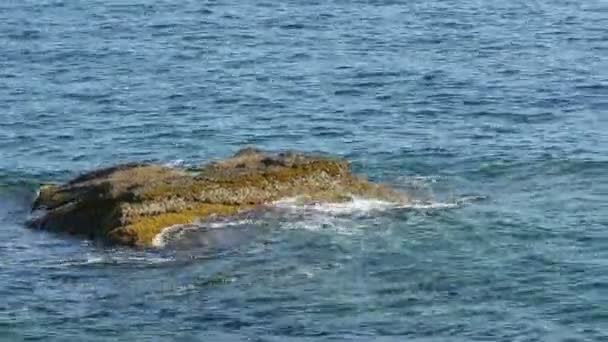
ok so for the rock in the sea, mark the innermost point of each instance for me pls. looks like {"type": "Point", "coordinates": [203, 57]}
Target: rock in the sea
{"type": "Point", "coordinates": [131, 203]}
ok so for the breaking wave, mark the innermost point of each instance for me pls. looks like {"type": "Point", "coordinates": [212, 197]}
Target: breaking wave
{"type": "Point", "coordinates": [293, 213]}
{"type": "Point", "coordinates": [364, 205]}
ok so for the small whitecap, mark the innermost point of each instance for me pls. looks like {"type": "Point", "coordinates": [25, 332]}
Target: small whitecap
{"type": "Point", "coordinates": [161, 239]}
{"type": "Point", "coordinates": [175, 232]}
{"type": "Point", "coordinates": [354, 206]}
{"type": "Point", "coordinates": [175, 163]}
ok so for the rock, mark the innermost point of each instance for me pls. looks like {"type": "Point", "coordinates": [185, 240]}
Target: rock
{"type": "Point", "coordinates": [131, 203]}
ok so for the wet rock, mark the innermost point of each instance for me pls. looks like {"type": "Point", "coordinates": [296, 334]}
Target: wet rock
{"type": "Point", "coordinates": [131, 203]}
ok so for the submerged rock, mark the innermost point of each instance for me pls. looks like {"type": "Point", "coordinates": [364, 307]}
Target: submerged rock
{"type": "Point", "coordinates": [132, 203]}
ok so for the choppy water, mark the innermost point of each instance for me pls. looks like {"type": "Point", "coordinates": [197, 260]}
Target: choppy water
{"type": "Point", "coordinates": [494, 113]}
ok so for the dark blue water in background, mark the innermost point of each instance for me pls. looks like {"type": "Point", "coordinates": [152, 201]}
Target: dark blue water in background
{"type": "Point", "coordinates": [494, 113]}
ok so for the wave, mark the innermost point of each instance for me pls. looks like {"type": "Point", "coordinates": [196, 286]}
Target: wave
{"type": "Point", "coordinates": [176, 232]}
{"type": "Point", "coordinates": [175, 163]}
{"type": "Point", "coordinates": [294, 213]}
{"type": "Point", "coordinates": [353, 206]}
{"type": "Point", "coordinates": [117, 258]}
{"type": "Point", "coordinates": [365, 205]}
{"type": "Point", "coordinates": [352, 217]}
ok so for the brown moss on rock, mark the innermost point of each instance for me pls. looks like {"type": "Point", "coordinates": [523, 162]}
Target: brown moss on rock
{"type": "Point", "coordinates": [131, 203]}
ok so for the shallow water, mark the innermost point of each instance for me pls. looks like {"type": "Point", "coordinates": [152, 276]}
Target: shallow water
{"type": "Point", "coordinates": [494, 114]}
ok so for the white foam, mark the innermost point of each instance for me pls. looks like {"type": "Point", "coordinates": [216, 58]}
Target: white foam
{"type": "Point", "coordinates": [363, 205]}
{"type": "Point", "coordinates": [175, 163]}
{"type": "Point", "coordinates": [419, 179]}
{"type": "Point", "coordinates": [228, 223]}
{"type": "Point", "coordinates": [161, 239]}
{"type": "Point", "coordinates": [431, 205]}
{"type": "Point", "coordinates": [353, 206]}
{"type": "Point", "coordinates": [91, 260]}
{"type": "Point", "coordinates": [315, 216]}
{"type": "Point", "coordinates": [115, 259]}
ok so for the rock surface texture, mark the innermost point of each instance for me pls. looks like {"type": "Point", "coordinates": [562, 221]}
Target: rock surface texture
{"type": "Point", "coordinates": [130, 204]}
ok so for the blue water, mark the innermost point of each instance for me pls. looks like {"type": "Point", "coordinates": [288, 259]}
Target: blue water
{"type": "Point", "coordinates": [493, 114]}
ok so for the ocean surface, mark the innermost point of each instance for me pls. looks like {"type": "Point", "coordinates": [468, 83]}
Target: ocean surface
{"type": "Point", "coordinates": [492, 114]}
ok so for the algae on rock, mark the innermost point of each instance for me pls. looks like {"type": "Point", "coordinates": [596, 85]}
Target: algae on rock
{"type": "Point", "coordinates": [131, 203]}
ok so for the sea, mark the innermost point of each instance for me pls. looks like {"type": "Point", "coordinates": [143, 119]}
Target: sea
{"type": "Point", "coordinates": [492, 115]}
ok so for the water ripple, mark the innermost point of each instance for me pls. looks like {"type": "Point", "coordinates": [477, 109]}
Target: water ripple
{"type": "Point", "coordinates": [496, 109]}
